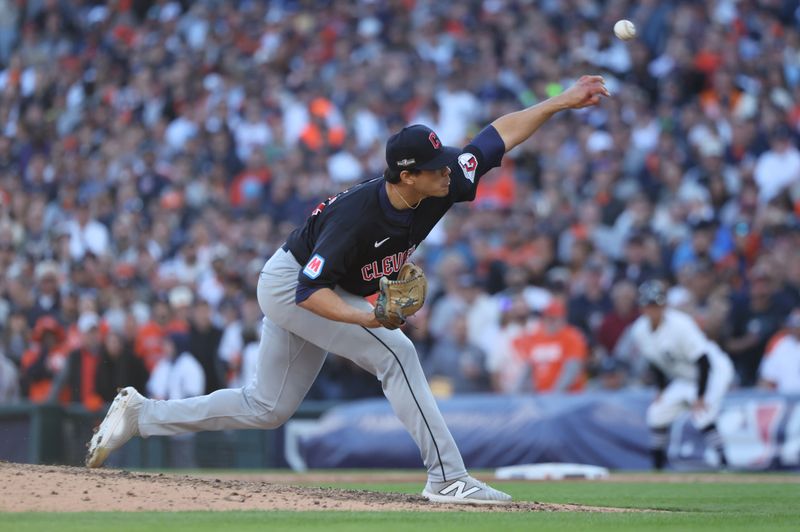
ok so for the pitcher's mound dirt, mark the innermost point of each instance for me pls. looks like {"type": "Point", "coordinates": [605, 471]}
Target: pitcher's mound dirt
{"type": "Point", "coordinates": [35, 488]}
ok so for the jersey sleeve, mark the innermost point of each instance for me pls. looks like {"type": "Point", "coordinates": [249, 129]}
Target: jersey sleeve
{"type": "Point", "coordinates": [692, 341]}
{"type": "Point", "coordinates": [481, 155]}
{"type": "Point", "coordinates": [330, 259]}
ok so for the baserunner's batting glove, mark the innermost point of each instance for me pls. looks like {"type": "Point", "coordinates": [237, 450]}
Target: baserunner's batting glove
{"type": "Point", "coordinates": [401, 298]}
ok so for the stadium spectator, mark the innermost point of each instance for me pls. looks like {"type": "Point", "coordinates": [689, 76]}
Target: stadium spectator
{"type": "Point", "coordinates": [79, 377]}
{"type": "Point", "coordinates": [708, 241]}
{"type": "Point", "coordinates": [9, 380]}
{"type": "Point", "coordinates": [15, 337]}
{"type": "Point", "coordinates": [43, 360]}
{"type": "Point", "coordinates": [779, 167]}
{"type": "Point", "coordinates": [419, 333]}
{"type": "Point", "coordinates": [86, 233]}
{"type": "Point", "coordinates": [46, 297]}
{"type": "Point", "coordinates": [555, 353]}
{"type": "Point", "coordinates": [792, 277]}
{"type": "Point", "coordinates": [148, 342]}
{"type": "Point", "coordinates": [249, 358]}
{"type": "Point", "coordinates": [701, 296]}
{"type": "Point", "coordinates": [612, 374]}
{"type": "Point", "coordinates": [754, 318]}
{"type": "Point", "coordinates": [746, 247]}
{"type": "Point", "coordinates": [780, 368]}
{"type": "Point", "coordinates": [204, 341]}
{"type": "Point", "coordinates": [614, 322]}
{"type": "Point", "coordinates": [504, 366]}
{"type": "Point", "coordinates": [591, 302]}
{"type": "Point", "coordinates": [636, 266]}
{"type": "Point", "coordinates": [176, 376]}
{"type": "Point", "coordinates": [180, 304]}
{"type": "Point", "coordinates": [118, 367]}
{"type": "Point", "coordinates": [344, 380]}
{"type": "Point", "coordinates": [455, 366]}
{"type": "Point", "coordinates": [8, 28]}
{"type": "Point", "coordinates": [124, 126]}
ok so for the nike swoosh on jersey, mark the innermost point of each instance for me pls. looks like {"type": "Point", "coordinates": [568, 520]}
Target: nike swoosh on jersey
{"type": "Point", "coordinates": [379, 244]}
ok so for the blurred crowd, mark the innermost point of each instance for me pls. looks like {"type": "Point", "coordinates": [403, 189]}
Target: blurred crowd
{"type": "Point", "coordinates": [153, 154]}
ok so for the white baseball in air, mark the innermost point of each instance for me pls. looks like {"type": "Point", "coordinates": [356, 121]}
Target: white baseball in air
{"type": "Point", "coordinates": [625, 30]}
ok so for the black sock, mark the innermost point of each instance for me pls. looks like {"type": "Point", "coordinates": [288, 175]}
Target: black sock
{"type": "Point", "coordinates": [659, 458]}
{"type": "Point", "coordinates": [714, 440]}
{"type": "Point", "coordinates": [659, 439]}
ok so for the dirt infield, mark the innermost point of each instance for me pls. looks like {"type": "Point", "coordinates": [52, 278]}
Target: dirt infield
{"type": "Point", "coordinates": [34, 488]}
{"type": "Point", "coordinates": [332, 477]}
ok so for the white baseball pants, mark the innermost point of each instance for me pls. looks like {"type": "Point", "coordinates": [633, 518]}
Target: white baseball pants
{"type": "Point", "coordinates": [680, 395]}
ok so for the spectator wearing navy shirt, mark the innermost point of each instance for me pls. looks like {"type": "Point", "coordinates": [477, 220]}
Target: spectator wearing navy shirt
{"type": "Point", "coordinates": [754, 318]}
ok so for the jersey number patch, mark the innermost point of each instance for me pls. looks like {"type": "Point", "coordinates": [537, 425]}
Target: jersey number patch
{"type": "Point", "coordinates": [468, 164]}
{"type": "Point", "coordinates": [314, 266]}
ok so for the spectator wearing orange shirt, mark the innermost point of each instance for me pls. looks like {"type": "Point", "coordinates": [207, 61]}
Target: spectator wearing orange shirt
{"type": "Point", "coordinates": [780, 367]}
{"type": "Point", "coordinates": [43, 360]}
{"type": "Point", "coordinates": [81, 364]}
{"type": "Point", "coordinates": [149, 337]}
{"type": "Point", "coordinates": [555, 353]}
{"type": "Point", "coordinates": [324, 126]}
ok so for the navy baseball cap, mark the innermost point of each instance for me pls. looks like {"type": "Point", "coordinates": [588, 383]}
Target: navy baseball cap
{"type": "Point", "coordinates": [417, 147]}
{"type": "Point", "coordinates": [652, 292]}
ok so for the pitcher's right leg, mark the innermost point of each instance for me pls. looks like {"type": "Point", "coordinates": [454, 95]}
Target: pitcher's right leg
{"type": "Point", "coordinates": [286, 369]}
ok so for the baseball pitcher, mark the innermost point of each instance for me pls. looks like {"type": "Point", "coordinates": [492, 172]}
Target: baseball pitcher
{"type": "Point", "coordinates": [312, 294]}
{"type": "Point", "coordinates": [692, 372]}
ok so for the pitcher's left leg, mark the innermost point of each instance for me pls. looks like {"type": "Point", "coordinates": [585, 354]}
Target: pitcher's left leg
{"type": "Point", "coordinates": [391, 356]}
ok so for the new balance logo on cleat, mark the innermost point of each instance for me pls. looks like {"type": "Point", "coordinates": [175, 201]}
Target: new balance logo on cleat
{"type": "Point", "coordinates": [459, 486]}
{"type": "Point", "coordinates": [465, 490]}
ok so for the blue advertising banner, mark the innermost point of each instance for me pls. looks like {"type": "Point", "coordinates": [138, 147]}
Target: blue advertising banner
{"type": "Point", "coordinates": [760, 430]}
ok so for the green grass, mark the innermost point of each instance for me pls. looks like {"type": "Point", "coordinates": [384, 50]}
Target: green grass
{"type": "Point", "coordinates": [721, 506]}
{"type": "Point", "coordinates": [712, 497]}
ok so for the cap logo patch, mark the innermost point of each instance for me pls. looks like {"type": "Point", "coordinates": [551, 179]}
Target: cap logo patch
{"type": "Point", "coordinates": [468, 164]}
{"type": "Point", "coordinates": [406, 162]}
{"type": "Point", "coordinates": [434, 141]}
{"type": "Point", "coordinates": [314, 266]}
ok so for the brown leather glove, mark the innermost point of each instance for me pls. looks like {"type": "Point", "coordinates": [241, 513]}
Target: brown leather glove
{"type": "Point", "coordinates": [401, 298]}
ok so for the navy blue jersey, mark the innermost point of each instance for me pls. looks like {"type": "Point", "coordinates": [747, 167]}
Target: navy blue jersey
{"type": "Point", "coordinates": [356, 237]}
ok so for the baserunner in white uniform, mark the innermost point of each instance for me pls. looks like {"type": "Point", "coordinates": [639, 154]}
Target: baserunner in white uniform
{"type": "Point", "coordinates": [692, 373]}
{"type": "Point", "coordinates": [312, 294]}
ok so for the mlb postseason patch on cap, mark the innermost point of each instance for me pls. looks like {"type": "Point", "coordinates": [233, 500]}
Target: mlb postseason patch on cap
{"type": "Point", "coordinates": [314, 266]}
{"type": "Point", "coordinates": [468, 164]}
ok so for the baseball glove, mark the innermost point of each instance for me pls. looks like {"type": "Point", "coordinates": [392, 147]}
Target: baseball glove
{"type": "Point", "coordinates": [401, 298]}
